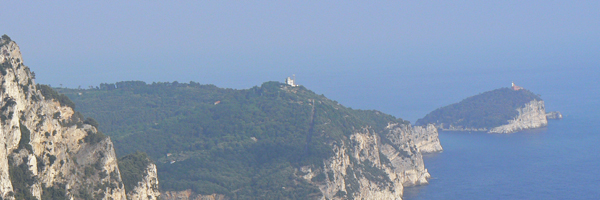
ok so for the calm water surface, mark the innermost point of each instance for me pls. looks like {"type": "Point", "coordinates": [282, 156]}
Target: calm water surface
{"type": "Point", "coordinates": [561, 161]}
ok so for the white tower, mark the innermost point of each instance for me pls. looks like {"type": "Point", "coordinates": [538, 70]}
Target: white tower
{"type": "Point", "coordinates": [290, 81]}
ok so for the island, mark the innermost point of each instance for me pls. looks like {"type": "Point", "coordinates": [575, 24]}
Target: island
{"type": "Point", "coordinates": [503, 110]}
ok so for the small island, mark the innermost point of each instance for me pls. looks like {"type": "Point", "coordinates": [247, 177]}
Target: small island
{"type": "Point", "coordinates": [504, 110]}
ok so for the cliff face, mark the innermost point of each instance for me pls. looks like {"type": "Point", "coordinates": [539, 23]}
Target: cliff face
{"type": "Point", "coordinates": [148, 187]}
{"type": "Point", "coordinates": [372, 167]}
{"type": "Point", "coordinates": [47, 150]}
{"type": "Point", "coordinates": [532, 115]}
{"type": "Point", "coordinates": [427, 139]}
{"type": "Point", "coordinates": [189, 195]}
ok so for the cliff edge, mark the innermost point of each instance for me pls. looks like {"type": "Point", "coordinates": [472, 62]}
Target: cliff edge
{"type": "Point", "coordinates": [49, 150]}
{"type": "Point", "coordinates": [532, 115]}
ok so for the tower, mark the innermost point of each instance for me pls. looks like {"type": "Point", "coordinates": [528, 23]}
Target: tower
{"type": "Point", "coordinates": [290, 81]}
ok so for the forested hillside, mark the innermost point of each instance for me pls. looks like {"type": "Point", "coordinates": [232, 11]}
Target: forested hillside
{"type": "Point", "coordinates": [485, 110]}
{"type": "Point", "coordinates": [241, 143]}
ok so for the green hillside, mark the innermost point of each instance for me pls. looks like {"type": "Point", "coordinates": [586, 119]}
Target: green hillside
{"type": "Point", "coordinates": [485, 110]}
{"type": "Point", "coordinates": [241, 143]}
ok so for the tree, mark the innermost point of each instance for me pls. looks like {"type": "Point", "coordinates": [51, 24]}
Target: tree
{"type": "Point", "coordinates": [6, 38]}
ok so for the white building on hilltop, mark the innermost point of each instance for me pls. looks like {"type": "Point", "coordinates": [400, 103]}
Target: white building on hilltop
{"type": "Point", "coordinates": [516, 87]}
{"type": "Point", "coordinates": [291, 81]}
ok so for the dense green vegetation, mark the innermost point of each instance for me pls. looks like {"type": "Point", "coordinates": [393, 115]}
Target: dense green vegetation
{"type": "Point", "coordinates": [25, 137]}
{"type": "Point", "coordinates": [21, 179]}
{"type": "Point", "coordinates": [486, 110]}
{"type": "Point", "coordinates": [49, 93]}
{"type": "Point", "coordinates": [241, 143]}
{"type": "Point", "coordinates": [133, 169]}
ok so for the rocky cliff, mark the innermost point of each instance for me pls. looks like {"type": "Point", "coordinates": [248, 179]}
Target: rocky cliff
{"type": "Point", "coordinates": [374, 167]}
{"type": "Point", "coordinates": [189, 195]}
{"type": "Point", "coordinates": [49, 151]}
{"type": "Point", "coordinates": [532, 115]}
{"type": "Point", "coordinates": [148, 187]}
{"type": "Point", "coordinates": [426, 138]}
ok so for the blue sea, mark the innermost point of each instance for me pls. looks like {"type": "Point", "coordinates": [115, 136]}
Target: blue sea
{"type": "Point", "coordinates": [560, 161]}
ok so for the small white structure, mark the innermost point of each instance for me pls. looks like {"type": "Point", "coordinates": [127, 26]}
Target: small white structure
{"type": "Point", "coordinates": [516, 87]}
{"type": "Point", "coordinates": [291, 81]}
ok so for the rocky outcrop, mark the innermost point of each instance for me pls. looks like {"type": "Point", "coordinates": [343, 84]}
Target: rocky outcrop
{"type": "Point", "coordinates": [554, 115]}
{"type": "Point", "coordinates": [427, 138]}
{"type": "Point", "coordinates": [189, 195]}
{"type": "Point", "coordinates": [47, 150]}
{"type": "Point", "coordinates": [147, 188]}
{"type": "Point", "coordinates": [375, 165]}
{"type": "Point", "coordinates": [460, 128]}
{"type": "Point", "coordinates": [532, 115]}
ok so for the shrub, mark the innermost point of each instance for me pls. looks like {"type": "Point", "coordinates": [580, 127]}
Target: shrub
{"type": "Point", "coordinates": [25, 138]}
{"type": "Point", "coordinates": [49, 93]}
{"type": "Point", "coordinates": [6, 38]}
{"type": "Point", "coordinates": [133, 168]}
{"type": "Point", "coordinates": [89, 171]}
{"type": "Point", "coordinates": [52, 158]}
{"type": "Point", "coordinates": [56, 115]}
{"type": "Point", "coordinates": [93, 138]}
{"type": "Point", "coordinates": [91, 121]}
{"type": "Point", "coordinates": [56, 192]}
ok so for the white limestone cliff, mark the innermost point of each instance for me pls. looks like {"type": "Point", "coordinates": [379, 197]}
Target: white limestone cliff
{"type": "Point", "coordinates": [427, 138]}
{"type": "Point", "coordinates": [52, 138]}
{"type": "Point", "coordinates": [372, 167]}
{"type": "Point", "coordinates": [148, 187]}
{"type": "Point", "coordinates": [45, 146]}
{"type": "Point", "coordinates": [189, 195]}
{"type": "Point", "coordinates": [532, 115]}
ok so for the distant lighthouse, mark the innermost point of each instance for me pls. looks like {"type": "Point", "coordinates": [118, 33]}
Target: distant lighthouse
{"type": "Point", "coordinates": [291, 81]}
{"type": "Point", "coordinates": [515, 87]}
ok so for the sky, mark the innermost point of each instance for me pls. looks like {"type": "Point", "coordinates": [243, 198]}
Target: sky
{"type": "Point", "coordinates": [383, 55]}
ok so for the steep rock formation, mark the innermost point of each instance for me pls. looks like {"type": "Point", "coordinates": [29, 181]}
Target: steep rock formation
{"type": "Point", "coordinates": [47, 150]}
{"type": "Point", "coordinates": [375, 166]}
{"type": "Point", "coordinates": [61, 152]}
{"type": "Point", "coordinates": [532, 115]}
{"type": "Point", "coordinates": [148, 187]}
{"type": "Point", "coordinates": [459, 128]}
{"type": "Point", "coordinates": [189, 195]}
{"type": "Point", "coordinates": [427, 139]}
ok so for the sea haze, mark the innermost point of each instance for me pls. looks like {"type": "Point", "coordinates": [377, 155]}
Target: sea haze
{"type": "Point", "coordinates": [561, 161]}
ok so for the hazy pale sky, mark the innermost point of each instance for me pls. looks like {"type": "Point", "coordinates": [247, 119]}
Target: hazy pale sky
{"type": "Point", "coordinates": [240, 44]}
